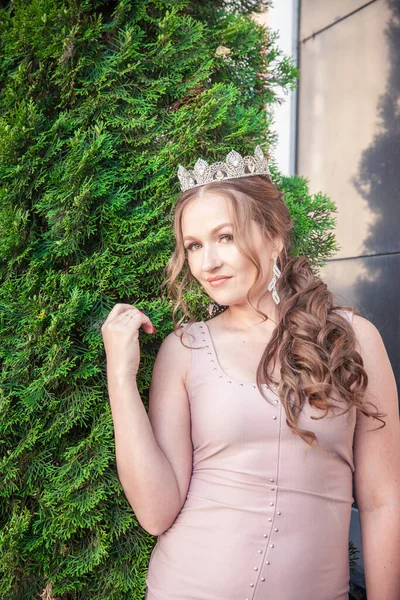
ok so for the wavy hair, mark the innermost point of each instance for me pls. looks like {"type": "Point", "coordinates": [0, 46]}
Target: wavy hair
{"type": "Point", "coordinates": [315, 344]}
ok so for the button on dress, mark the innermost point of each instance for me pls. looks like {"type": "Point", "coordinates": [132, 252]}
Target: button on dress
{"type": "Point", "coordinates": [266, 517]}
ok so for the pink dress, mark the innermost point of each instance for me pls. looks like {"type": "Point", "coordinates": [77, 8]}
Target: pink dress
{"type": "Point", "coordinates": [266, 517]}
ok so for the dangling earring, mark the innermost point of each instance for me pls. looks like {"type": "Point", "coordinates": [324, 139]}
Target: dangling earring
{"type": "Point", "coordinates": [272, 283]}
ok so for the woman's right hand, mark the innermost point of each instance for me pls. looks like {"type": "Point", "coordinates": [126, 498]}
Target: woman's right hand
{"type": "Point", "coordinates": [120, 333]}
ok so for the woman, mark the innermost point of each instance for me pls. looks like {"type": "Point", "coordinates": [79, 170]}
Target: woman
{"type": "Point", "coordinates": [258, 418]}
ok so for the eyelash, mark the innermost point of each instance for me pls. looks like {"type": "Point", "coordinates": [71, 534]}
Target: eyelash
{"type": "Point", "coordinates": [222, 236]}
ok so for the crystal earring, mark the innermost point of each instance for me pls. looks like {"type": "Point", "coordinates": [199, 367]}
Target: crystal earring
{"type": "Point", "coordinates": [272, 283]}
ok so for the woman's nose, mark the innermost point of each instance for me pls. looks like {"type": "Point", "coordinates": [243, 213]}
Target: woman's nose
{"type": "Point", "coordinates": [211, 258]}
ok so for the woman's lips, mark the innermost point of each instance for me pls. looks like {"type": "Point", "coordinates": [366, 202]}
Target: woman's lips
{"type": "Point", "coordinates": [218, 282]}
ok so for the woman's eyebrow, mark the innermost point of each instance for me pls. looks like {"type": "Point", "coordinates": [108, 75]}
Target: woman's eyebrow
{"type": "Point", "coordinates": [189, 237]}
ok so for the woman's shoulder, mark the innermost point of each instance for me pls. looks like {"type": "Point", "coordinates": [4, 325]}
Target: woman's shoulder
{"type": "Point", "coordinates": [184, 337]}
{"type": "Point", "coordinates": [360, 323]}
{"type": "Point", "coordinates": [367, 334]}
{"type": "Point", "coordinates": [347, 312]}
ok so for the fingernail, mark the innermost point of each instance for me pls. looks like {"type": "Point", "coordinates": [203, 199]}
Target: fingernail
{"type": "Point", "coordinates": [154, 329]}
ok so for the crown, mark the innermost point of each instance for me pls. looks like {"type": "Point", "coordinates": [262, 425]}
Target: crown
{"type": "Point", "coordinates": [235, 166]}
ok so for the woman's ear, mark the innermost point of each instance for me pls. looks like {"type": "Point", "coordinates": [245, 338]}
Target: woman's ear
{"type": "Point", "coordinates": [277, 245]}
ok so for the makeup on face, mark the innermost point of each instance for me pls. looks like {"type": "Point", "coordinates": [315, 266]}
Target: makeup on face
{"type": "Point", "coordinates": [212, 253]}
{"type": "Point", "coordinates": [218, 282]}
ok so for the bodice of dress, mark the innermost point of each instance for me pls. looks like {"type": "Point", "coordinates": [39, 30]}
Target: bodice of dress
{"type": "Point", "coordinates": [266, 516]}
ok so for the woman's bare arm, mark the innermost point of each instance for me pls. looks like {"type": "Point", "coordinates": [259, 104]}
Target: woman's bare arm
{"type": "Point", "coordinates": [377, 474]}
{"type": "Point", "coordinates": [154, 451]}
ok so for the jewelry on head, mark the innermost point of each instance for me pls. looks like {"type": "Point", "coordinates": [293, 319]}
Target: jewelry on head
{"type": "Point", "coordinates": [234, 167]}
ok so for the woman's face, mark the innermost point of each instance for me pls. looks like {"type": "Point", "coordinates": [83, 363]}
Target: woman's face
{"type": "Point", "coordinates": [212, 252]}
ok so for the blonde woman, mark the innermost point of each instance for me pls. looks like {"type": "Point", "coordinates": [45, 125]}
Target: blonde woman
{"type": "Point", "coordinates": [261, 418]}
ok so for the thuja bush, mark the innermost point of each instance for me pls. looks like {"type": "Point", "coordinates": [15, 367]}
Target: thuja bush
{"type": "Point", "coordinates": [99, 103]}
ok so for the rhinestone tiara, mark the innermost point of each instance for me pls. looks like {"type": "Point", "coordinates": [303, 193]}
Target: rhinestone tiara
{"type": "Point", "coordinates": [234, 167]}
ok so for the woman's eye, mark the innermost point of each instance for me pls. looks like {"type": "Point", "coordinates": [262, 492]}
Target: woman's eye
{"type": "Point", "coordinates": [191, 246]}
{"type": "Point", "coordinates": [229, 235]}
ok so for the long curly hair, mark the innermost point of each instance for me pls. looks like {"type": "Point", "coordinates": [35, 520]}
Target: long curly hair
{"type": "Point", "coordinates": [316, 345]}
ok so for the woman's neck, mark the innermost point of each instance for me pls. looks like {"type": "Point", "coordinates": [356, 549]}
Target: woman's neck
{"type": "Point", "coordinates": [245, 320]}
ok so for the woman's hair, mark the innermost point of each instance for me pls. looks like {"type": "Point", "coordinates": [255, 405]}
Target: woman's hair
{"type": "Point", "coordinates": [315, 344]}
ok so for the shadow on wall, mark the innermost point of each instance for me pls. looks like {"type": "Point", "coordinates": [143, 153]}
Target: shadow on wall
{"type": "Point", "coordinates": [377, 182]}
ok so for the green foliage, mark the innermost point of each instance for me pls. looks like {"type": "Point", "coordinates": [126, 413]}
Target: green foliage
{"type": "Point", "coordinates": [354, 555]}
{"type": "Point", "coordinates": [99, 103]}
{"type": "Point", "coordinates": [314, 224]}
